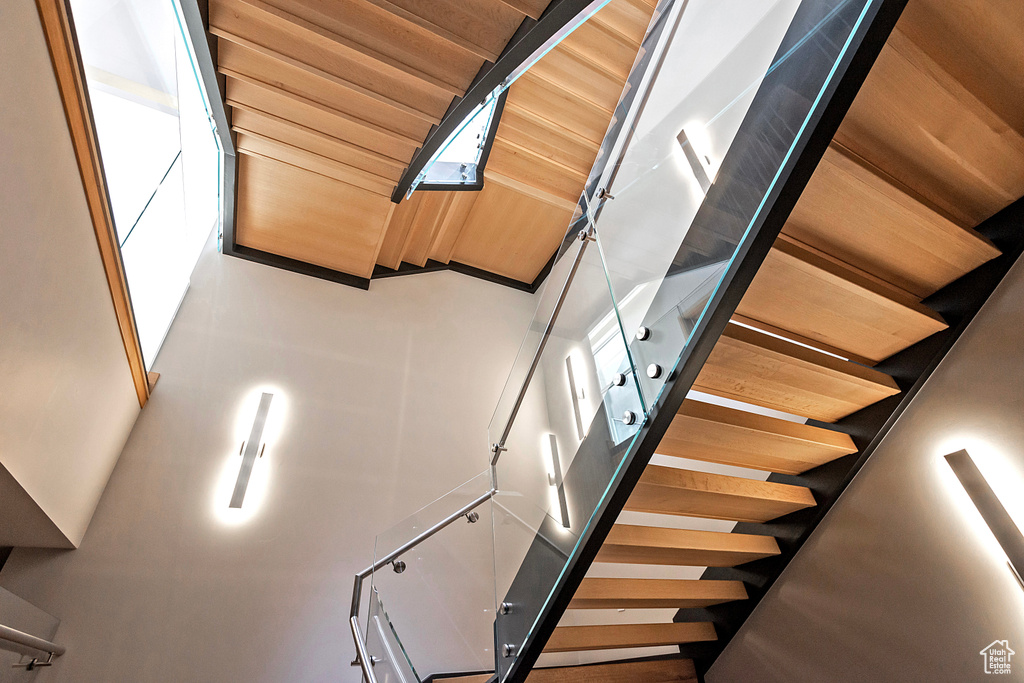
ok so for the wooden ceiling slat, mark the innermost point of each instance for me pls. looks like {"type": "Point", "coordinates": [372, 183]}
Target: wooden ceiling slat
{"type": "Point", "coordinates": [397, 229]}
{"type": "Point", "coordinates": [305, 41]}
{"type": "Point", "coordinates": [629, 18]}
{"type": "Point", "coordinates": [531, 8]}
{"type": "Point", "coordinates": [531, 169]}
{"type": "Point", "coordinates": [435, 29]}
{"type": "Point", "coordinates": [425, 226]}
{"type": "Point", "coordinates": [253, 143]}
{"type": "Point", "coordinates": [362, 133]}
{"type": "Point", "coordinates": [575, 74]}
{"type": "Point", "coordinates": [487, 23]}
{"type": "Point", "coordinates": [510, 233]}
{"type": "Point", "coordinates": [598, 43]}
{"type": "Point", "coordinates": [452, 223]}
{"type": "Point", "coordinates": [312, 140]}
{"type": "Point", "coordinates": [522, 188]}
{"type": "Point", "coordinates": [548, 141]}
{"type": "Point", "coordinates": [289, 211]}
{"type": "Point", "coordinates": [547, 101]}
{"type": "Point", "coordinates": [389, 34]}
{"type": "Point", "coordinates": [244, 56]}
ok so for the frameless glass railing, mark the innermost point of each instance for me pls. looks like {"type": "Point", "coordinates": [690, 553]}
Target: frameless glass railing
{"type": "Point", "coordinates": [722, 97]}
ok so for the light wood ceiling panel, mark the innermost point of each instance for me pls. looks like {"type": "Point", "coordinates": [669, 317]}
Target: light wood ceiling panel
{"type": "Point", "coordinates": [240, 56]}
{"type": "Point", "coordinates": [264, 97]}
{"type": "Point", "coordinates": [273, 149]}
{"type": "Point", "coordinates": [403, 41]}
{"type": "Point", "coordinates": [311, 44]}
{"type": "Point", "coordinates": [486, 23]}
{"type": "Point", "coordinates": [293, 212]}
{"type": "Point", "coordinates": [311, 140]}
{"type": "Point", "coordinates": [510, 234]}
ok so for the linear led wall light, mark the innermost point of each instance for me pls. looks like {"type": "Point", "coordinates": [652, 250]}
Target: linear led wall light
{"type": "Point", "coordinates": [699, 162]}
{"type": "Point", "coordinates": [992, 511]}
{"type": "Point", "coordinates": [576, 392]}
{"type": "Point", "coordinates": [555, 480]}
{"type": "Point", "coordinates": [251, 450]}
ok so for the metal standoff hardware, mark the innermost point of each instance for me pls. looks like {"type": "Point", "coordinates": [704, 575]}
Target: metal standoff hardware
{"type": "Point", "coordinates": [654, 371]}
{"type": "Point", "coordinates": [643, 334]}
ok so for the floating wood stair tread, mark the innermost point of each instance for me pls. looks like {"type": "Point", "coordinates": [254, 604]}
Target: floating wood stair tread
{"type": "Point", "coordinates": [704, 431]}
{"type": "Point", "coordinates": [660, 671]}
{"type": "Point", "coordinates": [749, 366]}
{"type": "Point", "coordinates": [595, 593]}
{"type": "Point", "coordinates": [919, 124]}
{"type": "Point", "coordinates": [672, 491]}
{"type": "Point", "coordinates": [856, 213]}
{"type": "Point", "coordinates": [580, 638]}
{"type": "Point", "coordinates": [805, 291]}
{"type": "Point", "coordinates": [631, 544]}
{"type": "Point", "coordinates": [652, 671]}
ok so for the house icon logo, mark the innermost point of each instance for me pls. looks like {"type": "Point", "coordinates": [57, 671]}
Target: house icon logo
{"type": "Point", "coordinates": [997, 657]}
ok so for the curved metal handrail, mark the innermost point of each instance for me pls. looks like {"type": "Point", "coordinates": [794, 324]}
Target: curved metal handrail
{"type": "Point", "coordinates": [363, 659]}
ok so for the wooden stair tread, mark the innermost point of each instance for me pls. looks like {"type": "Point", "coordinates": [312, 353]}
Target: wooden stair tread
{"type": "Point", "coordinates": [656, 671]}
{"type": "Point", "coordinates": [600, 593]}
{"type": "Point", "coordinates": [858, 214]}
{"type": "Point", "coordinates": [802, 290]}
{"type": "Point", "coordinates": [704, 431]}
{"type": "Point", "coordinates": [632, 544]}
{"type": "Point", "coordinates": [650, 671]}
{"type": "Point", "coordinates": [672, 491]}
{"type": "Point", "coordinates": [749, 366]}
{"type": "Point", "coordinates": [919, 124]}
{"type": "Point", "coordinates": [611, 637]}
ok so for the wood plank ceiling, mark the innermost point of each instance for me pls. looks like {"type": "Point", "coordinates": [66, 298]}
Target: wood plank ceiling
{"type": "Point", "coordinates": [330, 99]}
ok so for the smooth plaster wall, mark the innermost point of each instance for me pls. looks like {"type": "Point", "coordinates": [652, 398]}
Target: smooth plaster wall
{"type": "Point", "coordinates": [67, 401]}
{"type": "Point", "coordinates": [903, 581]}
{"type": "Point", "coordinates": [389, 393]}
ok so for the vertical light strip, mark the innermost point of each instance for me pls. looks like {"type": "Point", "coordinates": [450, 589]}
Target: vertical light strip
{"type": "Point", "coordinates": [695, 163]}
{"type": "Point", "coordinates": [992, 511]}
{"type": "Point", "coordinates": [575, 396]}
{"type": "Point", "coordinates": [556, 479]}
{"type": "Point", "coordinates": [252, 447]}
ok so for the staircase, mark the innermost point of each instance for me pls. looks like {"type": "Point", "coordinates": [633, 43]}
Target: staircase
{"type": "Point", "coordinates": [929, 150]}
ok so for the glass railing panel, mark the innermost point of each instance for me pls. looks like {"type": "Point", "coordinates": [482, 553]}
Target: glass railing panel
{"type": "Point", "coordinates": [389, 662]}
{"type": "Point", "coordinates": [579, 413]}
{"type": "Point", "coordinates": [700, 150]}
{"type": "Point", "coordinates": [440, 594]}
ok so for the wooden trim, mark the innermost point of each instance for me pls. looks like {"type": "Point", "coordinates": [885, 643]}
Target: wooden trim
{"type": "Point", "coordinates": [67, 67]}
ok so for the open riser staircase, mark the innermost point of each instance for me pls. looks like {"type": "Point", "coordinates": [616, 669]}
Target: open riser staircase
{"type": "Point", "coordinates": [895, 212]}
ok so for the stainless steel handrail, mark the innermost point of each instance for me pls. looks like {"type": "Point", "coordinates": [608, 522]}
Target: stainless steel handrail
{"type": "Point", "coordinates": [586, 237]}
{"type": "Point", "coordinates": [13, 635]}
{"type": "Point", "coordinates": [362, 657]}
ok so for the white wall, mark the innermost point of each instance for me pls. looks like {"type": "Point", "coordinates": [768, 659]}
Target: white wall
{"type": "Point", "coordinates": [67, 401]}
{"type": "Point", "coordinates": [389, 393]}
{"type": "Point", "coordinates": [902, 580]}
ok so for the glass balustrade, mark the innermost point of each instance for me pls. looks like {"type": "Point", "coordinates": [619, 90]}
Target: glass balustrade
{"type": "Point", "coordinates": [719, 102]}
